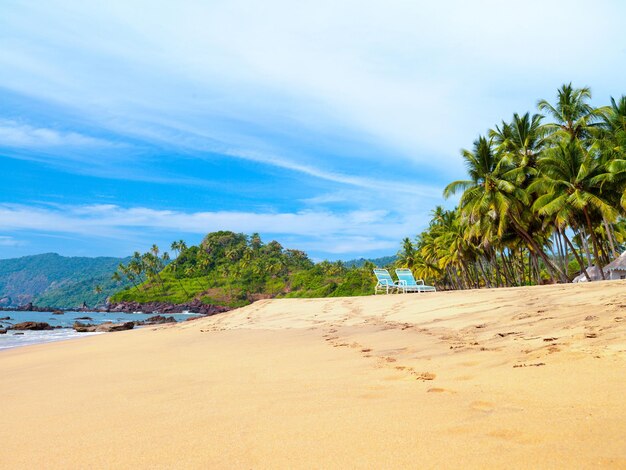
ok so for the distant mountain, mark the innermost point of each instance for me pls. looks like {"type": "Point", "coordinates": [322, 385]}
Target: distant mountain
{"type": "Point", "coordinates": [380, 262]}
{"type": "Point", "coordinates": [53, 280]}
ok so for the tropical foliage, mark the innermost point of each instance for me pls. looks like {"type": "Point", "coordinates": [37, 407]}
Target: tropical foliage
{"type": "Point", "coordinates": [544, 198]}
{"type": "Point", "coordinates": [234, 269]}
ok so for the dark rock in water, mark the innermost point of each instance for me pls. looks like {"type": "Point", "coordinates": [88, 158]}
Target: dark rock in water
{"type": "Point", "coordinates": [158, 319]}
{"type": "Point", "coordinates": [3, 331]}
{"type": "Point", "coordinates": [5, 318]}
{"type": "Point", "coordinates": [17, 334]}
{"type": "Point", "coordinates": [84, 327]}
{"type": "Point", "coordinates": [84, 318]}
{"type": "Point", "coordinates": [110, 327]}
{"type": "Point", "coordinates": [58, 312]}
{"type": "Point", "coordinates": [31, 325]}
{"type": "Point", "coordinates": [195, 306]}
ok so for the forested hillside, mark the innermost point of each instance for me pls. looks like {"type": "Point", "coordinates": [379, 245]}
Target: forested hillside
{"type": "Point", "coordinates": [51, 279]}
{"type": "Point", "coordinates": [234, 269]}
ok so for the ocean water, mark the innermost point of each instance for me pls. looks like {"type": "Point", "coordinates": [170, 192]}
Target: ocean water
{"type": "Point", "coordinates": [11, 340]}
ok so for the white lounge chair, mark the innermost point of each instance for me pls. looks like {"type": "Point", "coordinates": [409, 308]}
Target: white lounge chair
{"type": "Point", "coordinates": [407, 283]}
{"type": "Point", "coordinates": [385, 282]}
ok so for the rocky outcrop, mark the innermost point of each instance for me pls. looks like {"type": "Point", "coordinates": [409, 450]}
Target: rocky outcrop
{"type": "Point", "coordinates": [5, 318]}
{"type": "Point", "coordinates": [29, 307]}
{"type": "Point", "coordinates": [32, 325]}
{"type": "Point", "coordinates": [110, 327]}
{"type": "Point", "coordinates": [159, 319]}
{"type": "Point", "coordinates": [194, 306]}
{"type": "Point", "coordinates": [3, 331]}
{"type": "Point", "coordinates": [107, 327]}
{"type": "Point", "coordinates": [58, 312]}
{"type": "Point", "coordinates": [84, 327]}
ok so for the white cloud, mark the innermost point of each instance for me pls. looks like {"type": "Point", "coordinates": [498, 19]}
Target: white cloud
{"type": "Point", "coordinates": [15, 134]}
{"type": "Point", "coordinates": [418, 78]}
{"type": "Point", "coordinates": [350, 232]}
{"type": "Point", "coordinates": [9, 241]}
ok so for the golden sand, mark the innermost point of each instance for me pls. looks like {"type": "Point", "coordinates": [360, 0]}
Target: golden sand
{"type": "Point", "coordinates": [507, 378]}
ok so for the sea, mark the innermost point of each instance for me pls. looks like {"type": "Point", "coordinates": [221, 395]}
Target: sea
{"type": "Point", "coordinates": [65, 321]}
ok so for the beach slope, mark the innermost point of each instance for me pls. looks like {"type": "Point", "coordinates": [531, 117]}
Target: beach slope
{"type": "Point", "coordinates": [507, 378]}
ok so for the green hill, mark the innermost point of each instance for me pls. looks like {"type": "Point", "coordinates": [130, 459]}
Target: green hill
{"type": "Point", "coordinates": [234, 269]}
{"type": "Point", "coordinates": [53, 280]}
{"type": "Point", "coordinates": [379, 262]}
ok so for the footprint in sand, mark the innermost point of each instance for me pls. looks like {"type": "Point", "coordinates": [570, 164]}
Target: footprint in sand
{"type": "Point", "coordinates": [424, 375]}
{"type": "Point", "coordinates": [482, 406]}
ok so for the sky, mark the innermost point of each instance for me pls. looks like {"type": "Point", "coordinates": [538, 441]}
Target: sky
{"type": "Point", "coordinates": [330, 126]}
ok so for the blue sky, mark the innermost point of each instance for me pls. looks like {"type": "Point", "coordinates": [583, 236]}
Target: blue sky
{"type": "Point", "coordinates": [331, 126]}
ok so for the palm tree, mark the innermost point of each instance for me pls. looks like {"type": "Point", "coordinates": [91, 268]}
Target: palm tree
{"type": "Point", "coordinates": [521, 141]}
{"type": "Point", "coordinates": [492, 202]}
{"type": "Point", "coordinates": [613, 147]}
{"type": "Point", "coordinates": [570, 187]}
{"type": "Point", "coordinates": [573, 116]}
{"type": "Point", "coordinates": [406, 256]}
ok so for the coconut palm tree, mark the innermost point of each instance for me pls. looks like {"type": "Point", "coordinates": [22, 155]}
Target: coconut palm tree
{"type": "Point", "coordinates": [573, 116]}
{"type": "Point", "coordinates": [569, 189]}
{"type": "Point", "coordinates": [493, 201]}
{"type": "Point", "coordinates": [521, 141]}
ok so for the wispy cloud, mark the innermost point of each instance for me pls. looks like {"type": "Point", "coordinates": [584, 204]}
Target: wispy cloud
{"type": "Point", "coordinates": [9, 241]}
{"type": "Point", "coordinates": [349, 232]}
{"type": "Point", "coordinates": [348, 115]}
{"type": "Point", "coordinates": [15, 134]}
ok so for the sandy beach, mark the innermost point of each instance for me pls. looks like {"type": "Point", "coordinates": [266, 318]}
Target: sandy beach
{"type": "Point", "coordinates": [509, 378]}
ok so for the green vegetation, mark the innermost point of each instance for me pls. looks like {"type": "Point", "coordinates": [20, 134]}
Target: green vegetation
{"type": "Point", "coordinates": [542, 200]}
{"type": "Point", "coordinates": [234, 269]}
{"type": "Point", "coordinates": [50, 279]}
{"type": "Point", "coordinates": [378, 262]}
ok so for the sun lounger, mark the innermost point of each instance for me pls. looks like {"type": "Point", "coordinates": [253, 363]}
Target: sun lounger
{"type": "Point", "coordinates": [407, 283]}
{"type": "Point", "coordinates": [385, 282]}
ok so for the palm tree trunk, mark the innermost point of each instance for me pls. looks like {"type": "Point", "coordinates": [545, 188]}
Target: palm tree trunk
{"type": "Point", "coordinates": [505, 270]}
{"type": "Point", "coordinates": [585, 245]}
{"type": "Point", "coordinates": [482, 270]}
{"type": "Point", "coordinates": [578, 257]}
{"type": "Point", "coordinates": [535, 246]}
{"type": "Point", "coordinates": [594, 242]}
{"type": "Point", "coordinates": [609, 234]}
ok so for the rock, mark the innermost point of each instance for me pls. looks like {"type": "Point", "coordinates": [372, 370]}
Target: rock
{"type": "Point", "coordinates": [5, 318]}
{"type": "Point", "coordinates": [84, 318]}
{"type": "Point", "coordinates": [159, 319]}
{"type": "Point", "coordinates": [110, 327]}
{"type": "Point", "coordinates": [26, 308]}
{"type": "Point", "coordinates": [195, 306]}
{"type": "Point", "coordinates": [31, 325]}
{"type": "Point", "coordinates": [194, 318]}
{"type": "Point", "coordinates": [3, 331]}
{"type": "Point", "coordinates": [58, 312]}
{"type": "Point", "coordinates": [84, 327]}
{"type": "Point", "coordinates": [17, 334]}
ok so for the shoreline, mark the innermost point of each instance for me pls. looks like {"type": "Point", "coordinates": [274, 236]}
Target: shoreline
{"type": "Point", "coordinates": [498, 378]}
